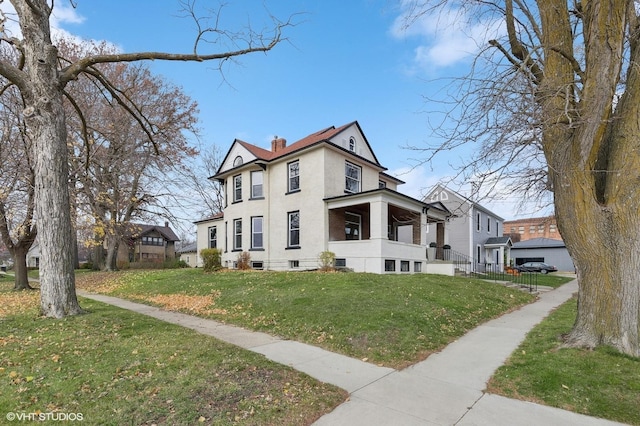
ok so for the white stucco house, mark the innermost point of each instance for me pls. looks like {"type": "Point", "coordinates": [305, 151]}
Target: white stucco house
{"type": "Point", "coordinates": [325, 192]}
{"type": "Point", "coordinates": [474, 233]}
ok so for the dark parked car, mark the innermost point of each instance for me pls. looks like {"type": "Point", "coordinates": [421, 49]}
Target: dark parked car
{"type": "Point", "coordinates": [536, 267]}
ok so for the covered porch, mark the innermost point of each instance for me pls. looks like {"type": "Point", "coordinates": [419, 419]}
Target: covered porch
{"type": "Point", "coordinates": [381, 231]}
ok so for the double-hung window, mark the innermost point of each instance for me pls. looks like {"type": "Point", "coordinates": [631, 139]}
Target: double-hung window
{"type": "Point", "coordinates": [237, 188]}
{"type": "Point", "coordinates": [257, 179]}
{"type": "Point", "coordinates": [237, 234]}
{"type": "Point", "coordinates": [294, 229]}
{"type": "Point", "coordinates": [293, 176]}
{"type": "Point", "coordinates": [213, 237]}
{"type": "Point", "coordinates": [352, 177]}
{"type": "Point", "coordinates": [256, 232]}
{"type": "Point", "coordinates": [352, 225]}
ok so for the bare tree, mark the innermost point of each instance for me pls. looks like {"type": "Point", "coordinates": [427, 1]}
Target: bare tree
{"type": "Point", "coordinates": [123, 164]}
{"type": "Point", "coordinates": [203, 195]}
{"type": "Point", "coordinates": [17, 198]}
{"type": "Point", "coordinates": [562, 91]}
{"type": "Point", "coordinates": [41, 78]}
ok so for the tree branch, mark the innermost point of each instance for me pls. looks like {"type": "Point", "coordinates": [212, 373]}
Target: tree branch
{"type": "Point", "coordinates": [72, 71]}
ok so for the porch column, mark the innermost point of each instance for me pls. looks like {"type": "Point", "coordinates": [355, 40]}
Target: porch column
{"type": "Point", "coordinates": [423, 229]}
{"type": "Point", "coordinates": [379, 219]}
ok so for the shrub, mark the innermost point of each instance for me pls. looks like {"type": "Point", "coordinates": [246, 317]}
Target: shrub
{"type": "Point", "coordinates": [327, 261]}
{"type": "Point", "coordinates": [244, 261]}
{"type": "Point", "coordinates": [212, 259]}
{"type": "Point", "coordinates": [174, 264]}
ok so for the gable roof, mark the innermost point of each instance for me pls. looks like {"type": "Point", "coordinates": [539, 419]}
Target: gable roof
{"type": "Point", "coordinates": [137, 230]}
{"type": "Point", "coordinates": [322, 136]}
{"type": "Point", "coordinates": [498, 241]}
{"type": "Point", "coordinates": [462, 198]}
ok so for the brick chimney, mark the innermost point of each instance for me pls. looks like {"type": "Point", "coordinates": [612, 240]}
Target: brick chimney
{"type": "Point", "coordinates": [278, 144]}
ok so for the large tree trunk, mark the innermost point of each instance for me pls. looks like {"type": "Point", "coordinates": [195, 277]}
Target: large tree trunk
{"type": "Point", "coordinates": [603, 242]}
{"type": "Point", "coordinates": [113, 244]}
{"type": "Point", "coordinates": [20, 268]}
{"type": "Point", "coordinates": [591, 144]}
{"type": "Point", "coordinates": [44, 114]}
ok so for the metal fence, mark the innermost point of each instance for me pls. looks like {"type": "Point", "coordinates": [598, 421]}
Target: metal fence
{"type": "Point", "coordinates": [498, 272]}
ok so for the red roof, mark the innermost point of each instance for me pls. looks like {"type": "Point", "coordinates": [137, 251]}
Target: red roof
{"type": "Point", "coordinates": [324, 134]}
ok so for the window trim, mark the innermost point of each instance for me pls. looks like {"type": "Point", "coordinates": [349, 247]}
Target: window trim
{"type": "Point", "coordinates": [359, 223]}
{"type": "Point", "coordinates": [237, 236]}
{"type": "Point", "coordinates": [253, 185]}
{"type": "Point", "coordinates": [237, 190]}
{"type": "Point", "coordinates": [214, 239]}
{"type": "Point", "coordinates": [352, 144]}
{"type": "Point", "coordinates": [290, 177]}
{"type": "Point", "coordinates": [254, 233]}
{"type": "Point", "coordinates": [348, 164]}
{"type": "Point", "coordinates": [290, 229]}
{"type": "Point", "coordinates": [387, 265]}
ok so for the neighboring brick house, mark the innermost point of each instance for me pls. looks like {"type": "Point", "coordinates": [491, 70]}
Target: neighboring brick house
{"type": "Point", "coordinates": [325, 192]}
{"type": "Point", "coordinates": [148, 243]}
{"type": "Point", "coordinates": [535, 227]}
{"type": "Point", "coordinates": [474, 232]}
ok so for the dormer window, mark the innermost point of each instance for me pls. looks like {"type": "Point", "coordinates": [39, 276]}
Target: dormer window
{"type": "Point", "coordinates": [237, 161]}
{"type": "Point", "coordinates": [352, 144]}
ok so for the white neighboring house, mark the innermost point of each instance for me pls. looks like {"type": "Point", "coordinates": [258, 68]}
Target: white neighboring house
{"type": "Point", "coordinates": [33, 255]}
{"type": "Point", "coordinates": [325, 192]}
{"type": "Point", "coordinates": [474, 233]}
{"type": "Point", "coordinates": [189, 255]}
{"type": "Point", "coordinates": [207, 235]}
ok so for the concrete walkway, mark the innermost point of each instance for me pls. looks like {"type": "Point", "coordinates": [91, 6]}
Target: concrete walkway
{"type": "Point", "coordinates": [445, 389]}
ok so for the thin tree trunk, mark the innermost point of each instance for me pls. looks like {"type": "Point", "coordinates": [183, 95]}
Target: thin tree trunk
{"type": "Point", "coordinates": [20, 268]}
{"type": "Point", "coordinates": [98, 255]}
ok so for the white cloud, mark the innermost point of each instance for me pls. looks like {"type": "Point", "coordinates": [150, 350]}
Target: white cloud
{"type": "Point", "coordinates": [63, 13]}
{"type": "Point", "coordinates": [446, 37]}
{"type": "Point", "coordinates": [418, 181]}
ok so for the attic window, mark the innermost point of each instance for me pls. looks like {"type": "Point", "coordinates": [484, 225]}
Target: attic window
{"type": "Point", "coordinates": [352, 144]}
{"type": "Point", "coordinates": [238, 161]}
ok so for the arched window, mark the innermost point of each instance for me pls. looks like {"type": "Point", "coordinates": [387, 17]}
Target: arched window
{"type": "Point", "coordinates": [352, 144]}
{"type": "Point", "coordinates": [238, 161]}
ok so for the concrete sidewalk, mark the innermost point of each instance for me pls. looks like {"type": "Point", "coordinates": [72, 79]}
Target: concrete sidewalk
{"type": "Point", "coordinates": [445, 389]}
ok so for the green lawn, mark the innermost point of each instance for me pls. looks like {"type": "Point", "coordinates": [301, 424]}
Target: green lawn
{"type": "Point", "coordinates": [393, 320]}
{"type": "Point", "coordinates": [601, 383]}
{"type": "Point", "coordinates": [116, 367]}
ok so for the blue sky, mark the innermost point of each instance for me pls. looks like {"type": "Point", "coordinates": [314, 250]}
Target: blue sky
{"type": "Point", "coordinates": [343, 61]}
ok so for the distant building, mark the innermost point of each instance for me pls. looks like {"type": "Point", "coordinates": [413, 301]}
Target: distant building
{"type": "Point", "coordinates": [473, 231]}
{"type": "Point", "coordinates": [189, 255]}
{"type": "Point", "coordinates": [547, 250]}
{"type": "Point", "coordinates": [535, 227]}
{"type": "Point", "coordinates": [148, 243]}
